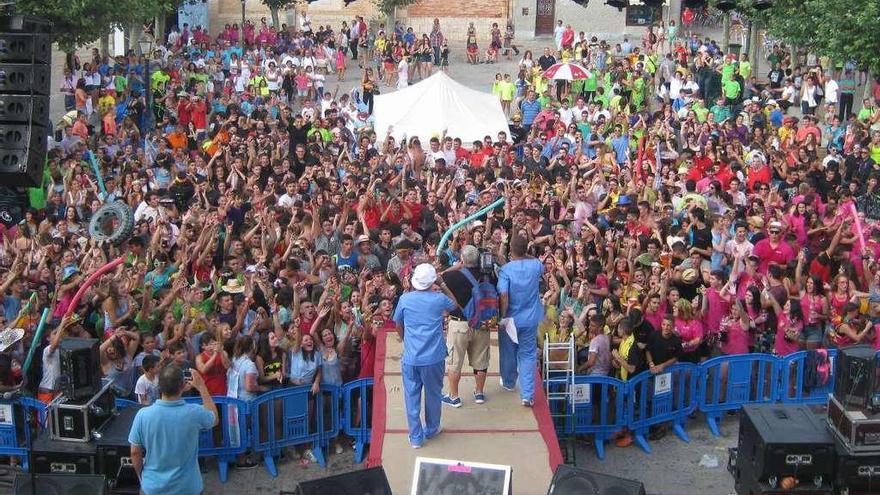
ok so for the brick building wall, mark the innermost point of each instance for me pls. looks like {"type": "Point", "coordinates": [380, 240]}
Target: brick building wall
{"type": "Point", "coordinates": [595, 19]}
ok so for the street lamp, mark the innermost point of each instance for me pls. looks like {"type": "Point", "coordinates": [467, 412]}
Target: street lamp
{"type": "Point", "coordinates": [241, 35]}
{"type": "Point", "coordinates": [146, 46]}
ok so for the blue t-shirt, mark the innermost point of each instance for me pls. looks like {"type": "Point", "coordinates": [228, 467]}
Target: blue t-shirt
{"type": "Point", "coordinates": [519, 279]}
{"type": "Point", "coordinates": [11, 307]}
{"type": "Point", "coordinates": [303, 370]}
{"type": "Point", "coordinates": [421, 314]}
{"type": "Point", "coordinates": [169, 433]}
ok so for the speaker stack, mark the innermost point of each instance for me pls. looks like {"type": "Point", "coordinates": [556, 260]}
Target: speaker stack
{"type": "Point", "coordinates": [790, 449]}
{"type": "Point", "coordinates": [782, 449]}
{"type": "Point", "coordinates": [854, 419]}
{"type": "Point", "coordinates": [57, 484]}
{"type": "Point", "coordinates": [86, 435]}
{"type": "Point", "coordinates": [25, 61]}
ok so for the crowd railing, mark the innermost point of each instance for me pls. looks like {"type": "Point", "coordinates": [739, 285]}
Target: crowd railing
{"type": "Point", "coordinates": [605, 406]}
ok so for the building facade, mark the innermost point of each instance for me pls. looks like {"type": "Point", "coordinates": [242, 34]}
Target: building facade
{"type": "Point", "coordinates": [530, 18]}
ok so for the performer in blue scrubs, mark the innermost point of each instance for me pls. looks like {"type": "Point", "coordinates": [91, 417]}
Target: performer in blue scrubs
{"type": "Point", "coordinates": [520, 299]}
{"type": "Point", "coordinates": [419, 317]}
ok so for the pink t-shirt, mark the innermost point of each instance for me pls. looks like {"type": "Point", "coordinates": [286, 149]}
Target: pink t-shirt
{"type": "Point", "coordinates": [799, 227]}
{"type": "Point", "coordinates": [781, 346]}
{"type": "Point", "coordinates": [718, 307]}
{"type": "Point", "coordinates": [655, 319]}
{"type": "Point", "coordinates": [738, 338]}
{"type": "Point", "coordinates": [688, 330]}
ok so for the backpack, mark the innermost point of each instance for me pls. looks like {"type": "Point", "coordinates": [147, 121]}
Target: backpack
{"type": "Point", "coordinates": [817, 369]}
{"type": "Point", "coordinates": [483, 305]}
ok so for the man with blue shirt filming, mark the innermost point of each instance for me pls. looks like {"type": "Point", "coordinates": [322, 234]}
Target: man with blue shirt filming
{"type": "Point", "coordinates": [520, 300]}
{"type": "Point", "coordinates": [168, 432]}
{"type": "Point", "coordinates": [419, 322]}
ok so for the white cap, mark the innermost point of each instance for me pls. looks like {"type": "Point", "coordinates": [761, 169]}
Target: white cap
{"type": "Point", "coordinates": [423, 276]}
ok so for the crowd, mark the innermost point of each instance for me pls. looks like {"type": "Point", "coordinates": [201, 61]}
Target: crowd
{"type": "Point", "coordinates": [681, 204]}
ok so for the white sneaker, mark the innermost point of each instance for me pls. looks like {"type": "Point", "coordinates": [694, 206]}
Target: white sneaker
{"type": "Point", "coordinates": [501, 381]}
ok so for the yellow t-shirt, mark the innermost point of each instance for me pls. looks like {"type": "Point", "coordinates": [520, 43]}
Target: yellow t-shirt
{"type": "Point", "coordinates": [507, 90]}
{"type": "Point", "coordinates": [625, 348]}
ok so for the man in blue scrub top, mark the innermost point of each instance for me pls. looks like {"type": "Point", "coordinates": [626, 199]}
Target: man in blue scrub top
{"type": "Point", "coordinates": [168, 431]}
{"type": "Point", "coordinates": [519, 299]}
{"type": "Point", "coordinates": [419, 317]}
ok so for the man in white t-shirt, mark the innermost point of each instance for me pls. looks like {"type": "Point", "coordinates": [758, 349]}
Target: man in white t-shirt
{"type": "Point", "coordinates": [49, 382]}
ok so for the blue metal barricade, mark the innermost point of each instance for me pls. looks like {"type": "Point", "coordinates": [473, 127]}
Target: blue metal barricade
{"type": "Point", "coordinates": [284, 418]}
{"type": "Point", "coordinates": [331, 418]}
{"type": "Point", "coordinates": [356, 417]}
{"type": "Point", "coordinates": [670, 396]}
{"type": "Point", "coordinates": [17, 417]}
{"type": "Point", "coordinates": [598, 408]}
{"type": "Point", "coordinates": [792, 389]}
{"type": "Point", "coordinates": [124, 404]}
{"type": "Point", "coordinates": [230, 438]}
{"type": "Point", "coordinates": [729, 382]}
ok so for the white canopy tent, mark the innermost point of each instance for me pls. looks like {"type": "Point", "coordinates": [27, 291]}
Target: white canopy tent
{"type": "Point", "coordinates": [428, 107]}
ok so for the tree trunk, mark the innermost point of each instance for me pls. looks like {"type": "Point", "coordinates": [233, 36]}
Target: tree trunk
{"type": "Point", "coordinates": [754, 46]}
{"type": "Point", "coordinates": [134, 34]}
{"type": "Point", "coordinates": [105, 46]}
{"type": "Point", "coordinates": [275, 23]}
{"type": "Point", "coordinates": [725, 40]}
{"type": "Point", "coordinates": [159, 28]}
{"type": "Point", "coordinates": [747, 48]}
{"type": "Point", "coordinates": [70, 60]}
{"type": "Point", "coordinates": [793, 54]}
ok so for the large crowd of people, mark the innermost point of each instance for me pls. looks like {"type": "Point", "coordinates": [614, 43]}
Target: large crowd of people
{"type": "Point", "coordinates": [681, 204]}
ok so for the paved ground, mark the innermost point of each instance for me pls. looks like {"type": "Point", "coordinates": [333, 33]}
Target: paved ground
{"type": "Point", "coordinates": [672, 469]}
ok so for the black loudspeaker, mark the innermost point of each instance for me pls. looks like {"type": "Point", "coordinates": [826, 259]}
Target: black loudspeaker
{"type": "Point", "coordinates": [617, 4]}
{"type": "Point", "coordinates": [777, 441]}
{"type": "Point", "coordinates": [80, 368]}
{"type": "Point", "coordinates": [574, 481]}
{"type": "Point", "coordinates": [857, 473]}
{"type": "Point", "coordinates": [25, 86]}
{"type": "Point", "coordinates": [364, 482]}
{"type": "Point", "coordinates": [725, 5]}
{"type": "Point", "coordinates": [58, 484]}
{"type": "Point", "coordinates": [856, 383]}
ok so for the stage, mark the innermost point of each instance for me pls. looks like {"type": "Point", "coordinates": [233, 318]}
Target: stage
{"type": "Point", "coordinates": [500, 431]}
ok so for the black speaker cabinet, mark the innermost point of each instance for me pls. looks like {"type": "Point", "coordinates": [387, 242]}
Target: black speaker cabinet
{"type": "Point", "coordinates": [778, 440]}
{"type": "Point", "coordinates": [114, 452]}
{"type": "Point", "coordinates": [575, 481]}
{"type": "Point", "coordinates": [364, 482]}
{"type": "Point", "coordinates": [58, 484]}
{"type": "Point", "coordinates": [49, 456]}
{"type": "Point", "coordinates": [857, 473]}
{"type": "Point", "coordinates": [25, 86]}
{"type": "Point", "coordinates": [856, 383]}
{"type": "Point", "coordinates": [80, 368]}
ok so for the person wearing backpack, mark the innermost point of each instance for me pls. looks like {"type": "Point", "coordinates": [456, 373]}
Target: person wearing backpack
{"type": "Point", "coordinates": [466, 334]}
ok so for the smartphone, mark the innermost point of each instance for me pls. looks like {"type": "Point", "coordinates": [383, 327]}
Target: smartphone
{"type": "Point", "coordinates": [187, 374]}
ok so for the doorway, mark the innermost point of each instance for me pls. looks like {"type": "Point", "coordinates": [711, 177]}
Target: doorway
{"type": "Point", "coordinates": [544, 16]}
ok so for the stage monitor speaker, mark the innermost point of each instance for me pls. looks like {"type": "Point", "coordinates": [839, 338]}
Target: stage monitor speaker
{"type": "Point", "coordinates": [856, 383]}
{"type": "Point", "coordinates": [59, 484]}
{"type": "Point", "coordinates": [80, 368]}
{"type": "Point", "coordinates": [575, 481]}
{"type": "Point", "coordinates": [364, 482]}
{"type": "Point", "coordinates": [25, 86]}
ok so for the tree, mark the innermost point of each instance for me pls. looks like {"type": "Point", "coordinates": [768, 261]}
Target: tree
{"type": "Point", "coordinates": [387, 7]}
{"type": "Point", "coordinates": [83, 21]}
{"type": "Point", "coordinates": [840, 30]}
{"type": "Point", "coordinates": [275, 6]}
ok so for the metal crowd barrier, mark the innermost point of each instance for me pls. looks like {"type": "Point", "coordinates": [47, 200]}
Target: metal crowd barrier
{"type": "Point", "coordinates": [604, 406]}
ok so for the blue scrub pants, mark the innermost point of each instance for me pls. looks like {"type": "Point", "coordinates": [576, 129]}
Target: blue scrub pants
{"type": "Point", "coordinates": [519, 360]}
{"type": "Point", "coordinates": [430, 378]}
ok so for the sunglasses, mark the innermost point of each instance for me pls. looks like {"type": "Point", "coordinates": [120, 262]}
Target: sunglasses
{"type": "Point", "coordinates": [774, 231]}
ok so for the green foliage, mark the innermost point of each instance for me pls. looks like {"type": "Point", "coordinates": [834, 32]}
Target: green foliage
{"type": "Point", "coordinates": [841, 30]}
{"type": "Point", "coordinates": [388, 6]}
{"type": "Point", "coordinates": [78, 22]}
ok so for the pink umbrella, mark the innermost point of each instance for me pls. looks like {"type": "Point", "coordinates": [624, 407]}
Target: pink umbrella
{"type": "Point", "coordinates": [566, 72]}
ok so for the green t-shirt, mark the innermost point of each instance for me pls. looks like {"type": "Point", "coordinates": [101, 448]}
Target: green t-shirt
{"type": "Point", "coordinates": [592, 82]}
{"type": "Point", "coordinates": [721, 113]}
{"type": "Point", "coordinates": [157, 78]}
{"type": "Point", "coordinates": [731, 89]}
{"type": "Point", "coordinates": [119, 83]}
{"type": "Point", "coordinates": [584, 129]}
{"type": "Point", "coordinates": [745, 69]}
{"type": "Point", "coordinates": [727, 71]}
{"type": "Point", "coordinates": [601, 100]}
{"type": "Point", "coordinates": [865, 114]}
{"type": "Point", "coordinates": [701, 113]}
{"type": "Point", "coordinates": [506, 90]}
